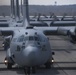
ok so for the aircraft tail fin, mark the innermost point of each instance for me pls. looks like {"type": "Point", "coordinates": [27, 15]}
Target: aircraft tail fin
{"type": "Point", "coordinates": [25, 14]}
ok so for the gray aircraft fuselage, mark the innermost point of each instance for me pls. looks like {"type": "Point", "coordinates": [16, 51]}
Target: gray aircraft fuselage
{"type": "Point", "coordinates": [30, 47]}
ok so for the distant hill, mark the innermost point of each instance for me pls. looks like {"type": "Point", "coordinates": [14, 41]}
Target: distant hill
{"type": "Point", "coordinates": [58, 10]}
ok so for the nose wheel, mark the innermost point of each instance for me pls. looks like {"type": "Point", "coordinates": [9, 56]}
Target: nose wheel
{"type": "Point", "coordinates": [48, 65]}
{"type": "Point", "coordinates": [33, 70]}
{"type": "Point", "coordinates": [29, 69]}
{"type": "Point", "coordinates": [9, 66]}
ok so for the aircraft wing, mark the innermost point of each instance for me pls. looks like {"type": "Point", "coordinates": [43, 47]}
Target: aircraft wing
{"type": "Point", "coordinates": [48, 30]}
{"type": "Point", "coordinates": [8, 30]}
{"type": "Point", "coordinates": [70, 32]}
{"type": "Point", "coordinates": [58, 30]}
{"type": "Point", "coordinates": [66, 30]}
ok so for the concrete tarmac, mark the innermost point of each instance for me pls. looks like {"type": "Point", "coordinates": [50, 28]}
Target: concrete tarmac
{"type": "Point", "coordinates": [64, 59]}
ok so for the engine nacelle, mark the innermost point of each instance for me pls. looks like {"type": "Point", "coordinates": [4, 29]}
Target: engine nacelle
{"type": "Point", "coordinates": [72, 36]}
{"type": "Point", "coordinates": [71, 33]}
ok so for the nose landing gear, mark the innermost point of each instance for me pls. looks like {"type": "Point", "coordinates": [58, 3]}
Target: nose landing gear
{"type": "Point", "coordinates": [29, 69]}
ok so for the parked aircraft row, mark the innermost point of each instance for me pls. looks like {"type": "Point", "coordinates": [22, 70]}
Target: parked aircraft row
{"type": "Point", "coordinates": [11, 22]}
{"type": "Point", "coordinates": [40, 21]}
{"type": "Point", "coordinates": [16, 20]}
{"type": "Point", "coordinates": [55, 21]}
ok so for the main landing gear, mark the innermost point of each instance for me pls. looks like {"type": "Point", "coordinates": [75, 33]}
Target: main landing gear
{"type": "Point", "coordinates": [8, 64]}
{"type": "Point", "coordinates": [48, 65]}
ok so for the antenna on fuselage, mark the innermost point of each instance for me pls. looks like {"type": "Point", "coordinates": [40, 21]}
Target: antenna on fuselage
{"type": "Point", "coordinates": [25, 14]}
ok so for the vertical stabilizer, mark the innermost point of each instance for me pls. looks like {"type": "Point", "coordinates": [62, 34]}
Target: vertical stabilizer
{"type": "Point", "coordinates": [17, 10]}
{"type": "Point", "coordinates": [12, 9]}
{"type": "Point", "coordinates": [21, 9]}
{"type": "Point", "coordinates": [25, 13]}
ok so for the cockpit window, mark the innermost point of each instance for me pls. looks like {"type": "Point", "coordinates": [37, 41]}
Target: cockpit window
{"type": "Point", "coordinates": [31, 38]}
{"type": "Point", "coordinates": [20, 39]}
{"type": "Point", "coordinates": [28, 38]}
{"type": "Point", "coordinates": [19, 21]}
{"type": "Point", "coordinates": [14, 39]}
{"type": "Point", "coordinates": [36, 38]}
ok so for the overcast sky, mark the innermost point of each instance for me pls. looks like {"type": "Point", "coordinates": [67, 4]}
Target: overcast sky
{"type": "Point", "coordinates": [43, 2]}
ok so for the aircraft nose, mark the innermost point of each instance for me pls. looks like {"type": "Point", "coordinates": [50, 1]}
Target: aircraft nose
{"type": "Point", "coordinates": [30, 55]}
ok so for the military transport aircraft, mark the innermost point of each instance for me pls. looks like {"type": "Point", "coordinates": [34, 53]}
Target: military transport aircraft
{"type": "Point", "coordinates": [28, 47]}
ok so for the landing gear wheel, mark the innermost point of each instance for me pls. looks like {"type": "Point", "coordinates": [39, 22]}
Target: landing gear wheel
{"type": "Point", "coordinates": [27, 70]}
{"type": "Point", "coordinates": [48, 65]}
{"type": "Point", "coordinates": [33, 70]}
{"type": "Point", "coordinates": [9, 66]}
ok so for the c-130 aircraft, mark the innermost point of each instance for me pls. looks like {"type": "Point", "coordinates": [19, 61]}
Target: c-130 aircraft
{"type": "Point", "coordinates": [29, 47]}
